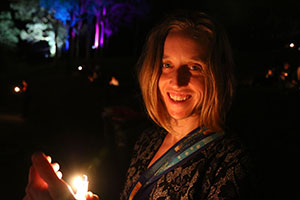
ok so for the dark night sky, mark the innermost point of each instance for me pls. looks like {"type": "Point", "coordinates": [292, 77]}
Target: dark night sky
{"type": "Point", "coordinates": [252, 26]}
{"type": "Point", "coordinates": [246, 20]}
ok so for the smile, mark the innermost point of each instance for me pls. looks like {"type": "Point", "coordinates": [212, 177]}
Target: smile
{"type": "Point", "coordinates": [179, 98]}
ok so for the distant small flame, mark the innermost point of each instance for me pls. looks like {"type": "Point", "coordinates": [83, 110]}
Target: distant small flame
{"type": "Point", "coordinates": [114, 81]}
{"type": "Point", "coordinates": [292, 45]}
{"type": "Point", "coordinates": [270, 73]}
{"type": "Point", "coordinates": [17, 89]}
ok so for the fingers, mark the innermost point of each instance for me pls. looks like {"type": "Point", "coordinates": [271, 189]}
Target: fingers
{"type": "Point", "coordinates": [49, 159]}
{"type": "Point", "coordinates": [34, 178]}
{"type": "Point", "coordinates": [44, 182]}
{"type": "Point", "coordinates": [59, 174]}
{"type": "Point", "coordinates": [44, 168]}
{"type": "Point", "coordinates": [57, 188]}
{"type": "Point", "coordinates": [91, 196]}
{"type": "Point", "coordinates": [55, 166]}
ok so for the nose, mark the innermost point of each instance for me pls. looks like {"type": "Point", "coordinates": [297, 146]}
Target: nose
{"type": "Point", "coordinates": [182, 76]}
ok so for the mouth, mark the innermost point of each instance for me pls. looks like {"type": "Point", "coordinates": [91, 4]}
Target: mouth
{"type": "Point", "coordinates": [178, 97]}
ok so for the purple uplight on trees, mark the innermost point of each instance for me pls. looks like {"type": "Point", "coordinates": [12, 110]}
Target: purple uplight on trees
{"type": "Point", "coordinates": [99, 29]}
{"type": "Point", "coordinates": [102, 34]}
{"type": "Point", "coordinates": [97, 20]}
{"type": "Point", "coordinates": [96, 41]}
{"type": "Point", "coordinates": [102, 27]}
{"type": "Point", "coordinates": [99, 25]}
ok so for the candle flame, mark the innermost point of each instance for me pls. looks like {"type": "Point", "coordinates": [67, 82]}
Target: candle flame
{"type": "Point", "coordinates": [80, 184]}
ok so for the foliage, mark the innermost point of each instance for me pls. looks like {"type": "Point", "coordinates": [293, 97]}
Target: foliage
{"type": "Point", "coordinates": [40, 25]}
{"type": "Point", "coordinates": [42, 20]}
{"type": "Point", "coordinates": [26, 9]}
{"type": "Point", "coordinates": [8, 31]}
{"type": "Point", "coordinates": [62, 10]}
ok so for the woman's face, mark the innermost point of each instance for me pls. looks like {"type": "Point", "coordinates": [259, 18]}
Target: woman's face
{"type": "Point", "coordinates": [181, 82]}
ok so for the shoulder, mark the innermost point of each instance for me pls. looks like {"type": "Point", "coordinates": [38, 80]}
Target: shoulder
{"type": "Point", "coordinates": [150, 135]}
{"type": "Point", "coordinates": [229, 155]}
{"type": "Point", "coordinates": [226, 149]}
{"type": "Point", "coordinates": [147, 144]}
{"type": "Point", "coordinates": [230, 173]}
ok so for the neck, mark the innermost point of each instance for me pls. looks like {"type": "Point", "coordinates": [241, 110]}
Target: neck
{"type": "Point", "coordinates": [183, 127]}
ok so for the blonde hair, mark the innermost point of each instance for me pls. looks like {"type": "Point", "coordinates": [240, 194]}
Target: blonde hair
{"type": "Point", "coordinates": [218, 76]}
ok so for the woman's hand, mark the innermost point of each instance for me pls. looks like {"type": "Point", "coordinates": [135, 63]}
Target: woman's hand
{"type": "Point", "coordinates": [45, 183]}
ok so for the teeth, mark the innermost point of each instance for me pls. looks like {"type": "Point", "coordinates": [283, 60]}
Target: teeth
{"type": "Point", "coordinates": [178, 98]}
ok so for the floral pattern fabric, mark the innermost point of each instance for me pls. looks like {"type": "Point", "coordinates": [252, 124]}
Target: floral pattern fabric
{"type": "Point", "coordinates": [220, 171]}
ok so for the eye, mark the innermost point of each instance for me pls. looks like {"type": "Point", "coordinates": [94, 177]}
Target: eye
{"type": "Point", "coordinates": [166, 65]}
{"type": "Point", "coordinates": [196, 68]}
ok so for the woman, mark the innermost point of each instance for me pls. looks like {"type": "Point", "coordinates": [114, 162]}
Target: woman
{"type": "Point", "coordinates": [187, 85]}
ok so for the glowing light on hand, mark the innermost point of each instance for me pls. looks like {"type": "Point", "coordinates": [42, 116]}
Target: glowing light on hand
{"type": "Point", "coordinates": [80, 184]}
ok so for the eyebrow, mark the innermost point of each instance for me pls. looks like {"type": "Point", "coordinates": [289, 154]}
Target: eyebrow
{"type": "Point", "coordinates": [165, 56]}
{"type": "Point", "coordinates": [195, 58]}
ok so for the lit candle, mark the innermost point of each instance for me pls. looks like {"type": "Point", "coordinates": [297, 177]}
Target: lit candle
{"type": "Point", "coordinates": [81, 186]}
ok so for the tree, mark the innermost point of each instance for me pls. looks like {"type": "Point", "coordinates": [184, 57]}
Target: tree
{"type": "Point", "coordinates": [67, 12]}
{"type": "Point", "coordinates": [66, 22]}
{"type": "Point", "coordinates": [8, 31]}
{"type": "Point", "coordinates": [39, 25]}
{"type": "Point", "coordinates": [111, 15]}
{"type": "Point", "coordinates": [101, 17]}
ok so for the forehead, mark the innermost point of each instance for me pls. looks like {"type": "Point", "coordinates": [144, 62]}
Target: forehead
{"type": "Point", "coordinates": [186, 43]}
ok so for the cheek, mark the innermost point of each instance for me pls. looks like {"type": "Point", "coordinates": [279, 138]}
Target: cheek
{"type": "Point", "coordinates": [199, 89]}
{"type": "Point", "coordinates": [161, 84]}
{"type": "Point", "coordinates": [198, 85]}
{"type": "Point", "coordinates": [160, 88]}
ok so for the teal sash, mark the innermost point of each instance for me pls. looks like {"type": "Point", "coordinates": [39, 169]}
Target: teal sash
{"type": "Point", "coordinates": [179, 153]}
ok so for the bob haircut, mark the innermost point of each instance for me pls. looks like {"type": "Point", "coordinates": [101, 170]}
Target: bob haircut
{"type": "Point", "coordinates": [218, 76]}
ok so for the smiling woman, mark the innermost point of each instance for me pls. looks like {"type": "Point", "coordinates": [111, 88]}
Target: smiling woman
{"type": "Point", "coordinates": [187, 86]}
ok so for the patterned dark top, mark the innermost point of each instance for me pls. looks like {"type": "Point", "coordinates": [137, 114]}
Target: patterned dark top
{"type": "Point", "coordinates": [220, 171]}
